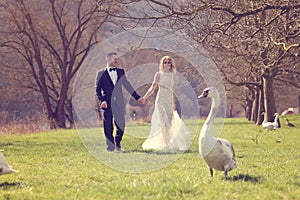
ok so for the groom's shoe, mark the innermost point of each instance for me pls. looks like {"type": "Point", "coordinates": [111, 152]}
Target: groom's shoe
{"type": "Point", "coordinates": [110, 149]}
{"type": "Point", "coordinates": [110, 145]}
{"type": "Point", "coordinates": [118, 148]}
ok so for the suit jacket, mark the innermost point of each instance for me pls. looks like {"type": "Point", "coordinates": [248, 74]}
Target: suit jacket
{"type": "Point", "coordinates": [113, 94]}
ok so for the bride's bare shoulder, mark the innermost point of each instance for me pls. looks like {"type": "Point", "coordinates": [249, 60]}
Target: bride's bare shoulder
{"type": "Point", "coordinates": [156, 77]}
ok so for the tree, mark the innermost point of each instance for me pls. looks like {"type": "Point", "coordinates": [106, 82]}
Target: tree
{"type": "Point", "coordinates": [254, 43]}
{"type": "Point", "coordinates": [257, 58]}
{"type": "Point", "coordinates": [250, 41]}
{"type": "Point", "coordinates": [51, 39]}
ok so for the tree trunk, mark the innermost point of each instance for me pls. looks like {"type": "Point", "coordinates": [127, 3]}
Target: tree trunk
{"type": "Point", "coordinates": [254, 112]}
{"type": "Point", "coordinates": [230, 111]}
{"type": "Point", "coordinates": [60, 109]}
{"type": "Point", "coordinates": [69, 113]}
{"type": "Point", "coordinates": [269, 100]}
{"type": "Point", "coordinates": [60, 119]}
{"type": "Point", "coordinates": [260, 109]}
{"type": "Point", "coordinates": [248, 109]}
{"type": "Point", "coordinates": [57, 118]}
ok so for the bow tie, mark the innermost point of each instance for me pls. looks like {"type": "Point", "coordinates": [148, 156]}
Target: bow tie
{"type": "Point", "coordinates": [112, 69]}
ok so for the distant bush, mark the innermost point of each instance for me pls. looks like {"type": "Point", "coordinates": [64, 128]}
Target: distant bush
{"type": "Point", "coordinates": [21, 126]}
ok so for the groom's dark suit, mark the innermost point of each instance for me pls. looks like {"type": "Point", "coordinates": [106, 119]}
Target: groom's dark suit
{"type": "Point", "coordinates": [113, 95]}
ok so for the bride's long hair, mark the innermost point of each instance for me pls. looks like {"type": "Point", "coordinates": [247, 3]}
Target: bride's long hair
{"type": "Point", "coordinates": [162, 60]}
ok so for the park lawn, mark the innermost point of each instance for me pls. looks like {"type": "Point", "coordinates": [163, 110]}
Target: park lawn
{"type": "Point", "coordinates": [57, 165]}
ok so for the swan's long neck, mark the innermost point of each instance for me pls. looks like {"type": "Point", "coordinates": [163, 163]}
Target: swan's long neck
{"type": "Point", "coordinates": [211, 116]}
{"type": "Point", "coordinates": [214, 108]}
{"type": "Point", "coordinates": [265, 118]}
{"type": "Point", "coordinates": [276, 118]}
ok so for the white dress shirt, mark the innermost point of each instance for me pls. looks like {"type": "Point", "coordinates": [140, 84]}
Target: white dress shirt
{"type": "Point", "coordinates": [113, 74]}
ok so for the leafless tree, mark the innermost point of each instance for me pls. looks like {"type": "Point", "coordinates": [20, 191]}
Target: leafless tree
{"type": "Point", "coordinates": [254, 43]}
{"type": "Point", "coordinates": [262, 43]}
{"type": "Point", "coordinates": [51, 39]}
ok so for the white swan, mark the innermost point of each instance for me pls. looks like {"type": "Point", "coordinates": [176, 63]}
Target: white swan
{"type": "Point", "coordinates": [270, 125]}
{"type": "Point", "coordinates": [217, 153]}
{"type": "Point", "coordinates": [4, 167]}
{"type": "Point", "coordinates": [267, 125]}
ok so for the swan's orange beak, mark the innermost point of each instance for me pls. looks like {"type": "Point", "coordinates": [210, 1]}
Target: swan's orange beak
{"type": "Point", "coordinates": [203, 95]}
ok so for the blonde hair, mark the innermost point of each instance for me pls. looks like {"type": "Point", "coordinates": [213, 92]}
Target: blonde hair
{"type": "Point", "coordinates": [162, 60]}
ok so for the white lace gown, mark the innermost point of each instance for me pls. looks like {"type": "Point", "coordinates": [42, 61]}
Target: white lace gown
{"type": "Point", "coordinates": [168, 131]}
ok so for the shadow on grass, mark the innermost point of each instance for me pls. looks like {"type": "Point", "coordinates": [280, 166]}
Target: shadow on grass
{"type": "Point", "coordinates": [157, 151]}
{"type": "Point", "coordinates": [6, 144]}
{"type": "Point", "coordinates": [7, 185]}
{"type": "Point", "coordinates": [245, 177]}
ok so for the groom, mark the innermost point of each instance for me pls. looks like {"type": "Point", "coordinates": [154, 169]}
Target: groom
{"type": "Point", "coordinates": [109, 84]}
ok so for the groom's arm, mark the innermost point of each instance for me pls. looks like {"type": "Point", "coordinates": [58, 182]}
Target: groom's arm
{"type": "Point", "coordinates": [98, 86]}
{"type": "Point", "coordinates": [129, 87]}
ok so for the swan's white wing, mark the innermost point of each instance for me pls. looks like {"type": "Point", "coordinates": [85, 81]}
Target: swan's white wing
{"type": "Point", "coordinates": [267, 124]}
{"type": "Point", "coordinates": [227, 148]}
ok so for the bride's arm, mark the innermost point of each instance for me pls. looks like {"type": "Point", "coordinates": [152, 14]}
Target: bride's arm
{"type": "Point", "coordinates": [153, 86]}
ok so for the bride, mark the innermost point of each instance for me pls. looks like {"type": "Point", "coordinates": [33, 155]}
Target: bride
{"type": "Point", "coordinates": [168, 132]}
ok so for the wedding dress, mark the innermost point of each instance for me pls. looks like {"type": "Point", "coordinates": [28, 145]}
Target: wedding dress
{"type": "Point", "coordinates": [168, 131]}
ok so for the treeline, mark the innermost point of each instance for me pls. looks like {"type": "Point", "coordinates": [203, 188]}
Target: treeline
{"type": "Point", "coordinates": [43, 44]}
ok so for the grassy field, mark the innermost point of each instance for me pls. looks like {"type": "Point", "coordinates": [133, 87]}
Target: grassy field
{"type": "Point", "coordinates": [57, 165]}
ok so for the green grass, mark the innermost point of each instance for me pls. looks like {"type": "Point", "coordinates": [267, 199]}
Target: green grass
{"type": "Point", "coordinates": [57, 165]}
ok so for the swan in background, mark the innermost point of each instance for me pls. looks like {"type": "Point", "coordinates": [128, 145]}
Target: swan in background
{"type": "Point", "coordinates": [276, 125]}
{"type": "Point", "coordinates": [217, 153]}
{"type": "Point", "coordinates": [288, 123]}
{"type": "Point", "coordinates": [4, 167]}
{"type": "Point", "coordinates": [267, 125]}
{"type": "Point", "coordinates": [270, 125]}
